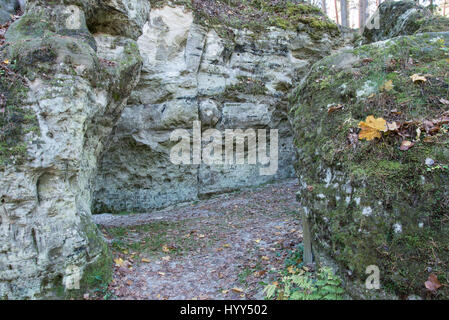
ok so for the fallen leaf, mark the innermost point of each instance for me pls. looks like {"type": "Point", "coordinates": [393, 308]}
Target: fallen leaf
{"type": "Point", "coordinates": [428, 125]}
{"type": "Point", "coordinates": [334, 108]}
{"type": "Point", "coordinates": [257, 240]}
{"type": "Point", "coordinates": [224, 291]}
{"type": "Point", "coordinates": [416, 78]}
{"type": "Point", "coordinates": [444, 101]}
{"type": "Point", "coordinates": [432, 283]}
{"type": "Point", "coordinates": [145, 260]}
{"type": "Point", "coordinates": [161, 273]}
{"type": "Point", "coordinates": [259, 273]}
{"type": "Point", "coordinates": [6, 61]}
{"type": "Point", "coordinates": [201, 236]}
{"type": "Point", "coordinates": [227, 245]}
{"type": "Point", "coordinates": [166, 258]}
{"type": "Point", "coordinates": [265, 258]}
{"type": "Point", "coordinates": [119, 262]}
{"type": "Point", "coordinates": [405, 145]}
{"type": "Point", "coordinates": [396, 112]}
{"type": "Point", "coordinates": [387, 86]}
{"type": "Point", "coordinates": [372, 128]}
{"type": "Point", "coordinates": [238, 290]}
{"type": "Point", "coordinates": [418, 134]}
{"type": "Point", "coordinates": [392, 126]}
{"type": "Point", "coordinates": [165, 249]}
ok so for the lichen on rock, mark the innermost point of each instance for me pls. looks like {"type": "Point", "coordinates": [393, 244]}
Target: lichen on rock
{"type": "Point", "coordinates": [74, 96]}
{"type": "Point", "coordinates": [369, 202]}
{"type": "Point", "coordinates": [398, 18]}
{"type": "Point", "coordinates": [190, 64]}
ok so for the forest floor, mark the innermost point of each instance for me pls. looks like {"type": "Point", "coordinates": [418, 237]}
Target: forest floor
{"type": "Point", "coordinates": [226, 247]}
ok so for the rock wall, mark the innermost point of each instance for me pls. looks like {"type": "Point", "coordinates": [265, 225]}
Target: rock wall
{"type": "Point", "coordinates": [191, 71]}
{"type": "Point", "coordinates": [69, 144]}
{"type": "Point", "coordinates": [73, 94]}
{"type": "Point", "coordinates": [375, 202]}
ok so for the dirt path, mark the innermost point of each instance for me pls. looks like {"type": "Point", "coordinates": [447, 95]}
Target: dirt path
{"type": "Point", "coordinates": [222, 248]}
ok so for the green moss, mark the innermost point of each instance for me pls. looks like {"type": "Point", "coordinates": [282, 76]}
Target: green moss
{"type": "Point", "coordinates": [246, 86]}
{"type": "Point", "coordinates": [259, 15]}
{"type": "Point", "coordinates": [153, 236]}
{"type": "Point", "coordinates": [31, 25]}
{"type": "Point", "coordinates": [98, 272]}
{"type": "Point", "coordinates": [15, 119]}
{"type": "Point", "coordinates": [379, 185]}
{"type": "Point", "coordinates": [433, 23]}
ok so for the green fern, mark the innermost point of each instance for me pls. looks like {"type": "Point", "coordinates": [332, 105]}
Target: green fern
{"type": "Point", "coordinates": [323, 285]}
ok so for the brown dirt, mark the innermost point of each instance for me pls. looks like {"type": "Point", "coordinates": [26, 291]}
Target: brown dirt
{"type": "Point", "coordinates": [227, 247]}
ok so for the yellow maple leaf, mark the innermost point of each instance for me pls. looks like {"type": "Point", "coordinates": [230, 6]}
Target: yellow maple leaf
{"type": "Point", "coordinates": [372, 128]}
{"type": "Point", "coordinates": [417, 77]}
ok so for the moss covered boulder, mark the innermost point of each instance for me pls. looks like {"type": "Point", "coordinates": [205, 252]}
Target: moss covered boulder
{"type": "Point", "coordinates": [381, 202]}
{"type": "Point", "coordinates": [59, 101]}
{"type": "Point", "coordinates": [397, 18]}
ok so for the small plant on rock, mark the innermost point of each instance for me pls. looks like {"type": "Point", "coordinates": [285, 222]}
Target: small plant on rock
{"type": "Point", "coordinates": [323, 285]}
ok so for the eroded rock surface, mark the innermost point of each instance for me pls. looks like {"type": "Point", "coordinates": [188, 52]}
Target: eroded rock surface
{"type": "Point", "coordinates": [398, 18]}
{"type": "Point", "coordinates": [74, 95]}
{"type": "Point", "coordinates": [195, 72]}
{"type": "Point", "coordinates": [373, 203]}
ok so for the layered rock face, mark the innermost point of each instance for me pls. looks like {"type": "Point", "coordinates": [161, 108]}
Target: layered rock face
{"type": "Point", "coordinates": [72, 94]}
{"type": "Point", "coordinates": [375, 203]}
{"type": "Point", "coordinates": [190, 73]}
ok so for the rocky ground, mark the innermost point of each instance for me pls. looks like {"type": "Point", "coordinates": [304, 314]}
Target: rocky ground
{"type": "Point", "coordinates": [226, 247]}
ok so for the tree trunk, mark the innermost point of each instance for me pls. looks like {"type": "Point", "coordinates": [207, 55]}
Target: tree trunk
{"type": "Point", "coordinates": [323, 6]}
{"type": "Point", "coordinates": [336, 11]}
{"type": "Point", "coordinates": [344, 13]}
{"type": "Point", "coordinates": [363, 8]}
